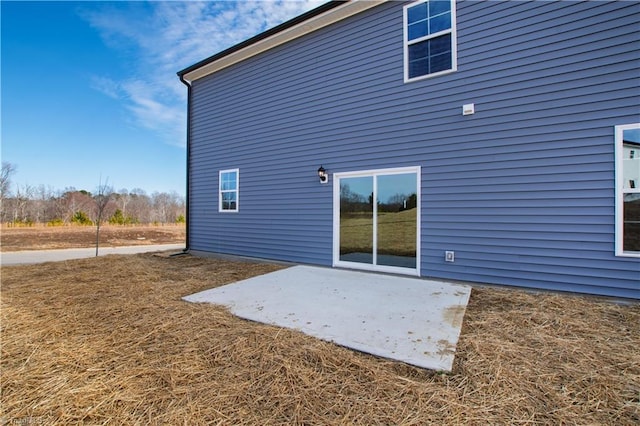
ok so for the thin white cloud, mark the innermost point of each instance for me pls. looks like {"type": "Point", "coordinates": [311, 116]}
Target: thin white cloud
{"type": "Point", "coordinates": [158, 39]}
{"type": "Point", "coordinates": [106, 86]}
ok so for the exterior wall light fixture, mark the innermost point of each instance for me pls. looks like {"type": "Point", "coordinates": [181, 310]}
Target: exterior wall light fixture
{"type": "Point", "coordinates": [323, 175]}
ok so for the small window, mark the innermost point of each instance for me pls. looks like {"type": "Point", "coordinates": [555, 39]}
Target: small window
{"type": "Point", "coordinates": [228, 197]}
{"type": "Point", "coordinates": [627, 191]}
{"type": "Point", "coordinates": [429, 39]}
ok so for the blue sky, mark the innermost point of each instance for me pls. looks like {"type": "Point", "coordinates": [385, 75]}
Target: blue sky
{"type": "Point", "coordinates": [89, 89]}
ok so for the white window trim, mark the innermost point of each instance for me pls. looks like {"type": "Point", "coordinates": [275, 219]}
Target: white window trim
{"type": "Point", "coordinates": [237, 191]}
{"type": "Point", "coordinates": [619, 209]}
{"type": "Point", "coordinates": [405, 43]}
{"type": "Point", "coordinates": [336, 262]}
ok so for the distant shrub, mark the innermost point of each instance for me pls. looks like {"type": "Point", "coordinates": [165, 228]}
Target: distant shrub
{"type": "Point", "coordinates": [119, 218]}
{"type": "Point", "coordinates": [181, 219]}
{"type": "Point", "coordinates": [22, 222]}
{"type": "Point", "coordinates": [55, 222]}
{"type": "Point", "coordinates": [81, 218]}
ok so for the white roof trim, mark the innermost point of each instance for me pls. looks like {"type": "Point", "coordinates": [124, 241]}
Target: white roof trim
{"type": "Point", "coordinates": [305, 27]}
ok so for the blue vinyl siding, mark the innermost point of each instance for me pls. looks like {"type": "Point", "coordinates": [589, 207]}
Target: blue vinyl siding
{"type": "Point", "coordinates": [522, 191]}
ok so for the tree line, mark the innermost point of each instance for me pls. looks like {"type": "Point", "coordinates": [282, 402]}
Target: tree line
{"type": "Point", "coordinates": [351, 201]}
{"type": "Point", "coordinates": [27, 205]}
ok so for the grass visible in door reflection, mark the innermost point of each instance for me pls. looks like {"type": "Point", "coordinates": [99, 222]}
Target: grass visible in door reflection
{"type": "Point", "coordinates": [396, 233]}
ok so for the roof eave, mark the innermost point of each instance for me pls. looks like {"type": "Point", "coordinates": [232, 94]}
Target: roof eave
{"type": "Point", "coordinates": [306, 23]}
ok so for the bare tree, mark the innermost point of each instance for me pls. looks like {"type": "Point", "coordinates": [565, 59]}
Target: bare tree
{"type": "Point", "coordinates": [140, 206]}
{"type": "Point", "coordinates": [43, 208]}
{"type": "Point", "coordinates": [161, 202]}
{"type": "Point", "coordinates": [57, 206]}
{"type": "Point", "coordinates": [167, 206]}
{"type": "Point", "coordinates": [22, 199]}
{"type": "Point", "coordinates": [6, 172]}
{"type": "Point", "coordinates": [102, 197]}
{"type": "Point", "coordinates": [123, 199]}
{"type": "Point", "coordinates": [72, 201]}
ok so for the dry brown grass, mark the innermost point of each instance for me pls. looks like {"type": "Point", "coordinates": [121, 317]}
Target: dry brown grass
{"type": "Point", "coordinates": [42, 237]}
{"type": "Point", "coordinates": [109, 341]}
{"type": "Point", "coordinates": [396, 233]}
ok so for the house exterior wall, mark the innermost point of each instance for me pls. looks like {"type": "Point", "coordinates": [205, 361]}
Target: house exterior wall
{"type": "Point", "coordinates": [523, 190]}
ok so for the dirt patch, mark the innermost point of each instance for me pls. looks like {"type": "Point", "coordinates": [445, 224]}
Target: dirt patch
{"type": "Point", "coordinates": [61, 237]}
{"type": "Point", "coordinates": [108, 340]}
{"type": "Point", "coordinates": [454, 315]}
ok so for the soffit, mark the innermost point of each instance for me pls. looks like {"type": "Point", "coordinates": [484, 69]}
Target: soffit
{"type": "Point", "coordinates": [305, 27]}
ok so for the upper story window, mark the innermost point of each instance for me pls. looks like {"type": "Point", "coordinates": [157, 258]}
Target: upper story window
{"type": "Point", "coordinates": [627, 190]}
{"type": "Point", "coordinates": [429, 39]}
{"type": "Point", "coordinates": [228, 194]}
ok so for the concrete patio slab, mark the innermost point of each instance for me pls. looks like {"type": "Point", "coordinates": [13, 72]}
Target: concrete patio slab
{"type": "Point", "coordinates": [407, 319]}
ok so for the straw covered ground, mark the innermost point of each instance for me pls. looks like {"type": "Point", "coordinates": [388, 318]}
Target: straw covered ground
{"type": "Point", "coordinates": [108, 340]}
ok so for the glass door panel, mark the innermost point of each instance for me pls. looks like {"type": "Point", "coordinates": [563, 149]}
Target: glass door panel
{"type": "Point", "coordinates": [396, 214]}
{"type": "Point", "coordinates": [356, 219]}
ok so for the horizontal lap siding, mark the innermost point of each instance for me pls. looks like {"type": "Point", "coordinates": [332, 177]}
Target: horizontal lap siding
{"type": "Point", "coordinates": [275, 129]}
{"type": "Point", "coordinates": [532, 201]}
{"type": "Point", "coordinates": [523, 190]}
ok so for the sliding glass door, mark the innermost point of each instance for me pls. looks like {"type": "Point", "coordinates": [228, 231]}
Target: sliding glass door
{"type": "Point", "coordinates": [376, 220]}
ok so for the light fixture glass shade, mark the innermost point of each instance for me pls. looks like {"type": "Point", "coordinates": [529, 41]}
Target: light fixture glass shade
{"type": "Point", "coordinates": [322, 174]}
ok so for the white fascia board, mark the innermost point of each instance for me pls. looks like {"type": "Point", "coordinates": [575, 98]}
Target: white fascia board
{"type": "Point", "coordinates": [303, 28]}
